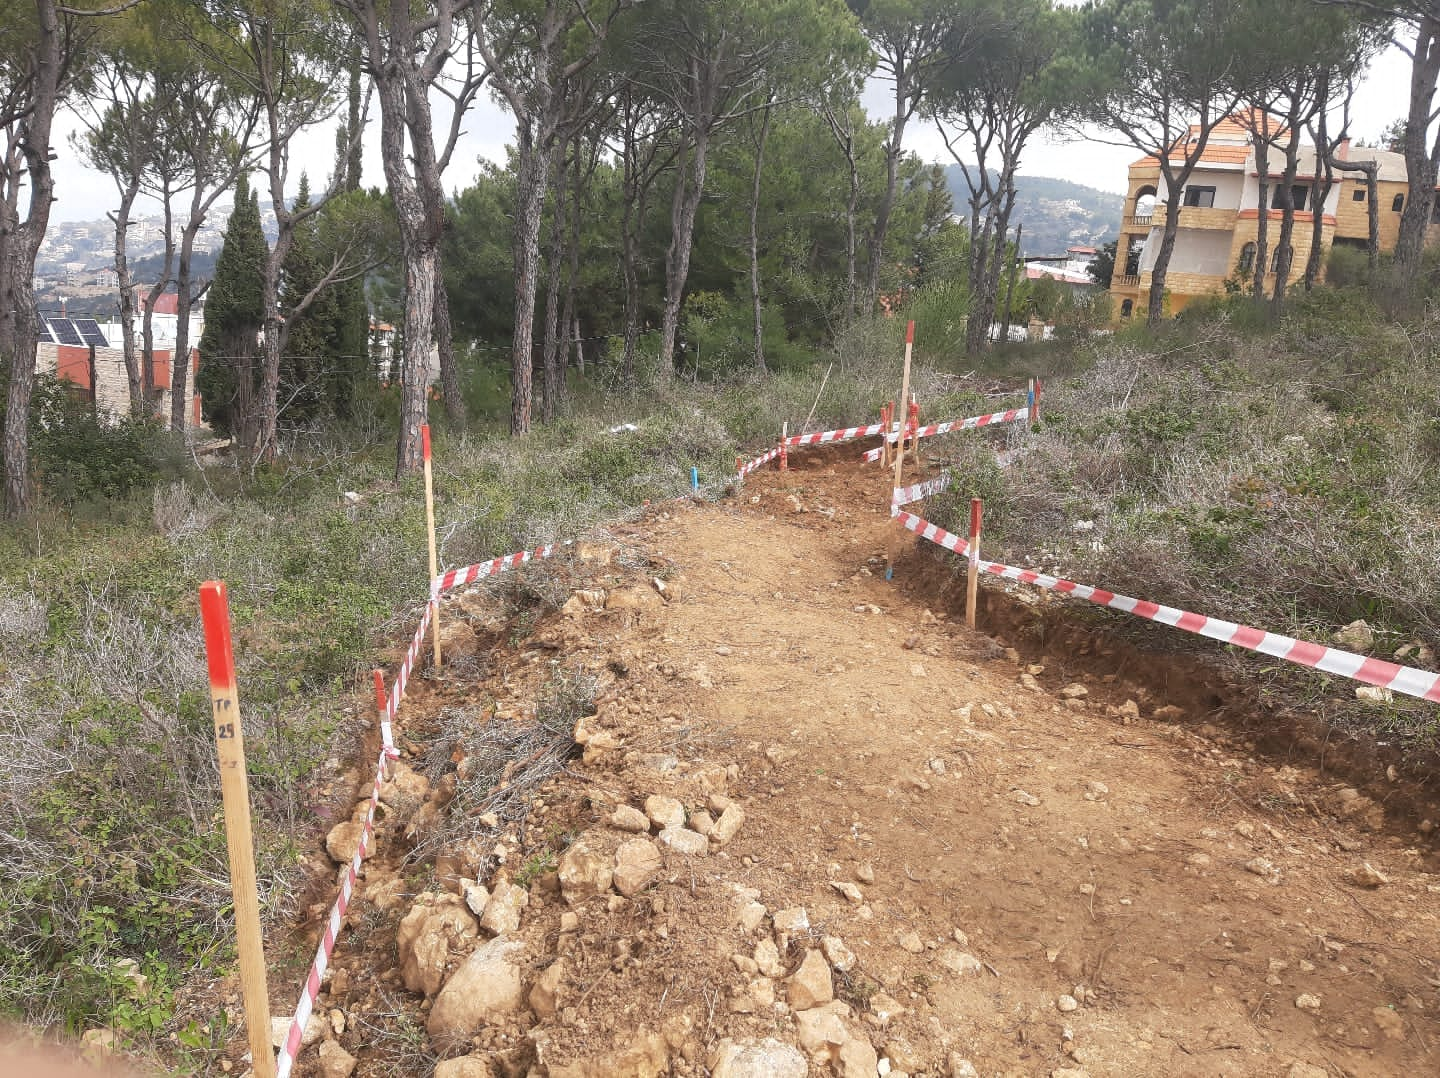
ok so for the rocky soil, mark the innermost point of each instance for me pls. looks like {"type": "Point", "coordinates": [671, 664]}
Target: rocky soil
{"type": "Point", "coordinates": [810, 825]}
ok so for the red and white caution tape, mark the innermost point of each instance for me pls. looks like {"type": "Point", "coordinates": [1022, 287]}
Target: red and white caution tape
{"type": "Point", "coordinates": [402, 678]}
{"type": "Point", "coordinates": [933, 532]}
{"type": "Point", "coordinates": [311, 990]}
{"type": "Point", "coordinates": [835, 435]}
{"type": "Point", "coordinates": [764, 458]}
{"type": "Point", "coordinates": [916, 491]}
{"type": "Point", "coordinates": [1011, 416]}
{"type": "Point", "coordinates": [1387, 675]}
{"type": "Point", "coordinates": [457, 578]}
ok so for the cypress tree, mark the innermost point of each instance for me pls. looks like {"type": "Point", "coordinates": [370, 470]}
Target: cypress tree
{"type": "Point", "coordinates": [229, 375]}
{"type": "Point", "coordinates": [306, 360]}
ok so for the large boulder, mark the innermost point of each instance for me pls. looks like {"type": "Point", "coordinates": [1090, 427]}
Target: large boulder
{"type": "Point", "coordinates": [486, 986]}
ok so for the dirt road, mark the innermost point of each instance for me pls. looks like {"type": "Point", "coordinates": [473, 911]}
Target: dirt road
{"type": "Point", "coordinates": [1003, 863]}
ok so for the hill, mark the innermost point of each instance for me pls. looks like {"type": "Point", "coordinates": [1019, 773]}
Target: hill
{"type": "Point", "coordinates": [1056, 214]}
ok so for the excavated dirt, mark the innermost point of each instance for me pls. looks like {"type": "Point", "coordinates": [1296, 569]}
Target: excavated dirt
{"type": "Point", "coordinates": [1049, 867]}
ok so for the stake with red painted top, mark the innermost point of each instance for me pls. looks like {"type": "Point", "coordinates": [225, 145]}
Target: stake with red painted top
{"type": "Point", "coordinates": [1035, 414]}
{"type": "Point", "coordinates": [904, 396]}
{"type": "Point", "coordinates": [430, 530]}
{"type": "Point", "coordinates": [235, 794]}
{"type": "Point", "coordinates": [972, 583]}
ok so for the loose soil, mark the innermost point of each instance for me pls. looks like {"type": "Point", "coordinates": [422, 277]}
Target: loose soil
{"type": "Point", "coordinates": [1193, 891]}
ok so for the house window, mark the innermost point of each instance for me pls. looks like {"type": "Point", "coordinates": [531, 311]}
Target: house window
{"type": "Point", "coordinates": [1247, 259]}
{"type": "Point", "coordinates": [1199, 196]}
{"type": "Point", "coordinates": [1298, 195]}
{"type": "Point", "coordinates": [1398, 204]}
{"type": "Point", "coordinates": [1357, 195]}
{"type": "Point", "coordinates": [1126, 308]}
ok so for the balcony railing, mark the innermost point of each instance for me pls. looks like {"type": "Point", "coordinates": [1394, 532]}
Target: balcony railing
{"type": "Point", "coordinates": [1128, 280]}
{"type": "Point", "coordinates": [1140, 220]}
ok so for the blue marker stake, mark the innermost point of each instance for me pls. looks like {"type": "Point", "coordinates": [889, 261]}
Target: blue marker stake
{"type": "Point", "coordinates": [695, 479]}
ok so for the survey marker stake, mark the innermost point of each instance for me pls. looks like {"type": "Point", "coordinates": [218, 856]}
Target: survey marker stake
{"type": "Point", "coordinates": [235, 794]}
{"type": "Point", "coordinates": [972, 583]}
{"type": "Point", "coordinates": [430, 531]}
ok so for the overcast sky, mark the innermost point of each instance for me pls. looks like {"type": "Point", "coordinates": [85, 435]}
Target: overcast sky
{"type": "Point", "coordinates": [86, 195]}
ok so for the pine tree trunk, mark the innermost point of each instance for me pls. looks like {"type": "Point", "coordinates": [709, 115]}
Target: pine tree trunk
{"type": "Point", "coordinates": [180, 354]}
{"type": "Point", "coordinates": [551, 351]}
{"type": "Point", "coordinates": [454, 398]}
{"type": "Point", "coordinates": [893, 150]}
{"type": "Point", "coordinates": [1155, 309]}
{"type": "Point", "coordinates": [977, 325]}
{"type": "Point", "coordinates": [568, 321]}
{"type": "Point", "coordinates": [755, 239]}
{"type": "Point", "coordinates": [421, 270]}
{"type": "Point", "coordinates": [1420, 162]}
{"type": "Point", "coordinates": [534, 167]}
{"type": "Point", "coordinates": [17, 272]}
{"type": "Point", "coordinates": [677, 261]}
{"type": "Point", "coordinates": [1262, 218]}
{"type": "Point", "coordinates": [147, 356]}
{"type": "Point", "coordinates": [1285, 250]}
{"type": "Point", "coordinates": [127, 300]}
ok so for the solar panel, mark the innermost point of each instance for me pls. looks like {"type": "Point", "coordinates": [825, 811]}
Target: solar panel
{"type": "Point", "coordinates": [90, 332]}
{"type": "Point", "coordinates": [43, 336]}
{"type": "Point", "coordinates": [64, 331]}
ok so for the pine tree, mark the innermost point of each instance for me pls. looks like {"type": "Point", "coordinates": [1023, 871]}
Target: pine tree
{"type": "Point", "coordinates": [229, 373]}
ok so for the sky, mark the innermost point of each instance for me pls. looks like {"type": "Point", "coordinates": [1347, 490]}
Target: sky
{"type": "Point", "coordinates": [86, 195]}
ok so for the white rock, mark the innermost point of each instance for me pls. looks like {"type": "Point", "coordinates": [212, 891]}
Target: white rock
{"type": "Point", "coordinates": [959, 962]}
{"type": "Point", "coordinates": [728, 824]}
{"type": "Point", "coordinates": [487, 986]}
{"type": "Point", "coordinates": [1026, 798]}
{"type": "Point", "coordinates": [1066, 1004]}
{"type": "Point", "coordinates": [1357, 636]}
{"type": "Point", "coordinates": [502, 912]}
{"type": "Point", "coordinates": [476, 896]}
{"type": "Point", "coordinates": [637, 863]}
{"type": "Point", "coordinates": [425, 939]}
{"type": "Point", "coordinates": [792, 920]}
{"type": "Point", "coordinates": [849, 890]}
{"type": "Point", "coordinates": [584, 872]}
{"type": "Point", "coordinates": [767, 958]}
{"type": "Point", "coordinates": [1074, 691]}
{"type": "Point", "coordinates": [1374, 694]}
{"type": "Point", "coordinates": [682, 840]}
{"type": "Point", "coordinates": [1307, 1002]}
{"type": "Point", "coordinates": [335, 1062]}
{"type": "Point", "coordinates": [629, 818]}
{"type": "Point", "coordinates": [960, 1067]}
{"type": "Point", "coordinates": [811, 984]}
{"type": "Point", "coordinates": [768, 1059]}
{"type": "Point", "coordinates": [664, 811]}
{"type": "Point", "coordinates": [837, 954]}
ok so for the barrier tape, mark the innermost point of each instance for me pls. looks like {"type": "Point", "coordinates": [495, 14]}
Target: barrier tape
{"type": "Point", "coordinates": [311, 990]}
{"type": "Point", "coordinates": [933, 532]}
{"type": "Point", "coordinates": [766, 458]}
{"type": "Point", "coordinates": [916, 491]}
{"type": "Point", "coordinates": [1386, 675]}
{"type": "Point", "coordinates": [1012, 416]}
{"type": "Point", "coordinates": [835, 435]}
{"type": "Point", "coordinates": [402, 678]}
{"type": "Point", "coordinates": [457, 578]}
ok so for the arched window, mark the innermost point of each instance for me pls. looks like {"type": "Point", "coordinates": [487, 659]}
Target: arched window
{"type": "Point", "coordinates": [1126, 307]}
{"type": "Point", "coordinates": [1145, 200]}
{"type": "Point", "coordinates": [1247, 258]}
{"type": "Point", "coordinates": [1398, 204]}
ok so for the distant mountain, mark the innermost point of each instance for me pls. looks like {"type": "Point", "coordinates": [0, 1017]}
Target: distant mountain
{"type": "Point", "coordinates": [1056, 214]}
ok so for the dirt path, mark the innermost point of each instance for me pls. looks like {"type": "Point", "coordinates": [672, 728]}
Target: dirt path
{"type": "Point", "coordinates": [1038, 882]}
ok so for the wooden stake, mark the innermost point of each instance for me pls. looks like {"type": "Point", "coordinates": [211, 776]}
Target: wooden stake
{"type": "Point", "coordinates": [915, 438]}
{"type": "Point", "coordinates": [784, 434]}
{"type": "Point", "coordinates": [430, 530]}
{"type": "Point", "coordinates": [885, 435]}
{"type": "Point", "coordinates": [1039, 391]}
{"type": "Point", "coordinates": [972, 583]}
{"type": "Point", "coordinates": [235, 793]}
{"type": "Point", "coordinates": [904, 396]}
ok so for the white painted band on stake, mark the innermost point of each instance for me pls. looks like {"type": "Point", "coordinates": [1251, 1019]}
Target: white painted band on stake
{"type": "Point", "coordinates": [1014, 415]}
{"type": "Point", "coordinates": [1423, 684]}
